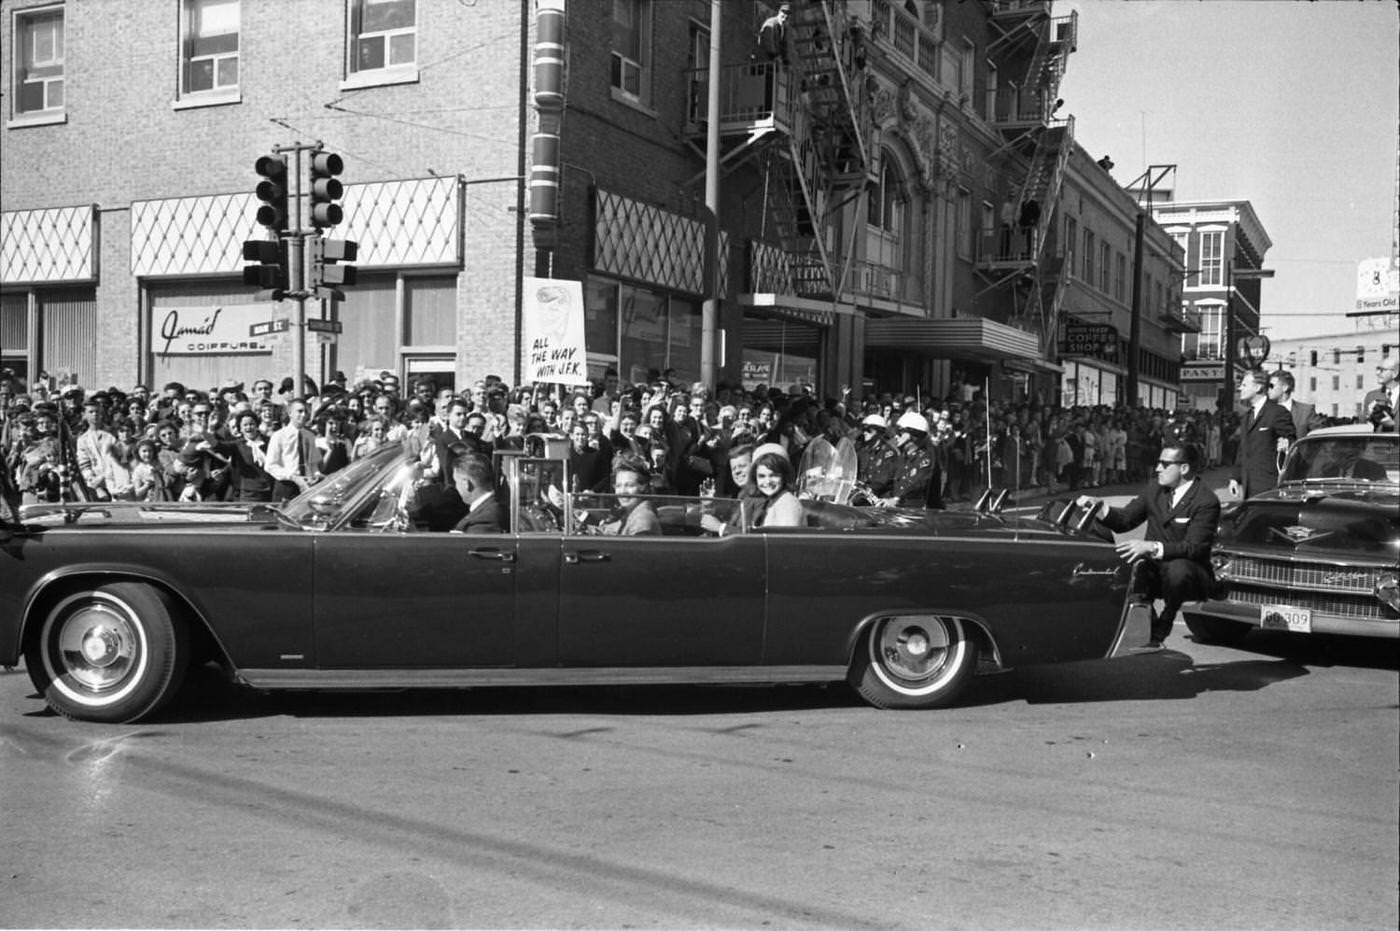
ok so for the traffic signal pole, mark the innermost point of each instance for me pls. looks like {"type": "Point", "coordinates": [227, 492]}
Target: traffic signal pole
{"type": "Point", "coordinates": [296, 275]}
{"type": "Point", "coordinates": [306, 264]}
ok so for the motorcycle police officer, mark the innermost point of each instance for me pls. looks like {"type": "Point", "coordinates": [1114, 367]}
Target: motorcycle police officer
{"type": "Point", "coordinates": [877, 457]}
{"type": "Point", "coordinates": [919, 479]}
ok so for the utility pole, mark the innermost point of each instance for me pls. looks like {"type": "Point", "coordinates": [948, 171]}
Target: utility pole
{"type": "Point", "coordinates": [709, 312]}
{"type": "Point", "coordinates": [1144, 185]}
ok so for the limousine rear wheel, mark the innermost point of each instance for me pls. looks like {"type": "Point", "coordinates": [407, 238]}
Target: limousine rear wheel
{"type": "Point", "coordinates": [114, 653]}
{"type": "Point", "coordinates": [913, 662]}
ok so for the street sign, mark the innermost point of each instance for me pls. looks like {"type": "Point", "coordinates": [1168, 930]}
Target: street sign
{"type": "Point", "coordinates": [1251, 351]}
{"type": "Point", "coordinates": [316, 325]}
{"type": "Point", "coordinates": [269, 327]}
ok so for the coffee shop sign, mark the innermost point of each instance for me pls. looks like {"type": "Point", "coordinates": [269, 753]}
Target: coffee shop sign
{"type": "Point", "coordinates": [1096, 340]}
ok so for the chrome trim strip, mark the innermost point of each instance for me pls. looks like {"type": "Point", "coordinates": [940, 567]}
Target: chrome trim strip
{"type": "Point", "coordinates": [468, 678]}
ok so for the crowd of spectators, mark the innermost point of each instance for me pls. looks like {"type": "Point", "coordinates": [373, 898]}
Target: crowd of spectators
{"type": "Point", "coordinates": [182, 443]}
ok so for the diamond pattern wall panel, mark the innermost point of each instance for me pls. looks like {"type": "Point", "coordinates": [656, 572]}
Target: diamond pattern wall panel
{"type": "Point", "coordinates": [416, 221]}
{"type": "Point", "coordinates": [397, 223]}
{"type": "Point", "coordinates": [191, 235]}
{"type": "Point", "coordinates": [50, 245]}
{"type": "Point", "coordinates": [647, 243]}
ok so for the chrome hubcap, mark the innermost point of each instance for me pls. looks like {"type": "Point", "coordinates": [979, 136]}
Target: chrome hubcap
{"type": "Point", "coordinates": [912, 651]}
{"type": "Point", "coordinates": [97, 646]}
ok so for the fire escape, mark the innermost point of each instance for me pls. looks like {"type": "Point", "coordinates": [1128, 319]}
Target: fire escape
{"type": "Point", "coordinates": [1033, 48]}
{"type": "Point", "coordinates": [804, 127]}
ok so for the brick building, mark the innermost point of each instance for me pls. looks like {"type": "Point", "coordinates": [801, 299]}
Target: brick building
{"type": "Point", "coordinates": [1216, 238]}
{"type": "Point", "coordinates": [867, 181]}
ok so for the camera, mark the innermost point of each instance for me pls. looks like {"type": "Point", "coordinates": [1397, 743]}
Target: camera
{"type": "Point", "coordinates": [1380, 412]}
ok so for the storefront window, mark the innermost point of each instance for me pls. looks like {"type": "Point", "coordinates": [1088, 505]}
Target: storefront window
{"type": "Point", "coordinates": [600, 324]}
{"type": "Point", "coordinates": [643, 334]}
{"type": "Point", "coordinates": [684, 340]}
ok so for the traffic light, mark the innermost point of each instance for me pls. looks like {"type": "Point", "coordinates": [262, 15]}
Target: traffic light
{"type": "Point", "coordinates": [1360, 355]}
{"type": "Point", "coordinates": [1336, 357]}
{"type": "Point", "coordinates": [324, 276]}
{"type": "Point", "coordinates": [272, 191]}
{"type": "Point", "coordinates": [326, 189]}
{"type": "Point", "coordinates": [1313, 358]}
{"type": "Point", "coordinates": [269, 271]}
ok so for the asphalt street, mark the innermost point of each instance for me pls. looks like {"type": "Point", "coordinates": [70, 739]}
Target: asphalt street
{"type": "Point", "coordinates": [1200, 787]}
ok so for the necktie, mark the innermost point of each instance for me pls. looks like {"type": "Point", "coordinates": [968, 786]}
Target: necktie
{"type": "Point", "coordinates": [304, 454]}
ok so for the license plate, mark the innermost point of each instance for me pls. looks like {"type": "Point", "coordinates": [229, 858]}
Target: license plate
{"type": "Point", "coordinates": [1285, 617]}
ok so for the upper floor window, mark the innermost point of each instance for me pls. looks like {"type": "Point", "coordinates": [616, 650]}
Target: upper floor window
{"type": "Point", "coordinates": [1212, 258]}
{"type": "Point", "coordinates": [964, 230]}
{"type": "Point", "coordinates": [1120, 278]}
{"type": "Point", "coordinates": [1088, 274]}
{"type": "Point", "coordinates": [209, 47]}
{"type": "Point", "coordinates": [631, 49]}
{"type": "Point", "coordinates": [383, 35]}
{"type": "Point", "coordinates": [38, 57]}
{"type": "Point", "coordinates": [887, 203]}
{"type": "Point", "coordinates": [1105, 267]}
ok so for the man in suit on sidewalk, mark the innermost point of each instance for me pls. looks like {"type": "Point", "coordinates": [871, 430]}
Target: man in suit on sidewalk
{"type": "Point", "coordinates": [1305, 416]}
{"type": "Point", "coordinates": [1266, 433]}
{"type": "Point", "coordinates": [1181, 514]}
{"type": "Point", "coordinates": [1380, 405]}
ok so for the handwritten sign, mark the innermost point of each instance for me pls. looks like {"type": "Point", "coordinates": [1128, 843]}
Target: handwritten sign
{"type": "Point", "coordinates": [554, 332]}
{"type": "Point", "coordinates": [209, 331]}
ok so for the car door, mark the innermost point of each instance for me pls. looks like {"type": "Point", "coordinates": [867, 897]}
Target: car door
{"type": "Point", "coordinates": [390, 600]}
{"type": "Point", "coordinates": [661, 601]}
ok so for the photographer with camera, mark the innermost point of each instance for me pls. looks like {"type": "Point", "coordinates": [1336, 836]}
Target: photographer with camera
{"type": "Point", "coordinates": [1379, 405]}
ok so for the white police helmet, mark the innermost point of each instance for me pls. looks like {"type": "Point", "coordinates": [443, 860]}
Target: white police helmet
{"type": "Point", "coordinates": [909, 420]}
{"type": "Point", "coordinates": [874, 420]}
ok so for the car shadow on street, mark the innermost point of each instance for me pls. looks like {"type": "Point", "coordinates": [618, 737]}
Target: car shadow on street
{"type": "Point", "coordinates": [1325, 650]}
{"type": "Point", "coordinates": [209, 695]}
{"type": "Point", "coordinates": [1169, 674]}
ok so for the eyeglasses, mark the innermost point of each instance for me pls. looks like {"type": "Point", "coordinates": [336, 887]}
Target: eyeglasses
{"type": "Point", "coordinates": [1164, 463]}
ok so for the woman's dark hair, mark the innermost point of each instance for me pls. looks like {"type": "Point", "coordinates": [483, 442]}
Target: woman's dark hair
{"type": "Point", "coordinates": [776, 462]}
{"type": "Point", "coordinates": [631, 464]}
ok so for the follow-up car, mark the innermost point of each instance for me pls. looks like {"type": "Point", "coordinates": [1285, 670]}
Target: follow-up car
{"type": "Point", "coordinates": [109, 604]}
{"type": "Point", "coordinates": [1318, 554]}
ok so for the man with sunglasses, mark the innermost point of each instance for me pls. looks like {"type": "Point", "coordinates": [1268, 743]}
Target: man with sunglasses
{"type": "Point", "coordinates": [1181, 514]}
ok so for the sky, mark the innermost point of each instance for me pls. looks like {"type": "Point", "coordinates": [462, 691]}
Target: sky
{"type": "Point", "coordinates": [1289, 104]}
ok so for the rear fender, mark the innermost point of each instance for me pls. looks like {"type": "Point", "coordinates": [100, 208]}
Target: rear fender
{"type": "Point", "coordinates": [978, 631]}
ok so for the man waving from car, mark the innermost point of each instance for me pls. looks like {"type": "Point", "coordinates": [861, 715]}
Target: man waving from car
{"type": "Point", "coordinates": [1181, 514]}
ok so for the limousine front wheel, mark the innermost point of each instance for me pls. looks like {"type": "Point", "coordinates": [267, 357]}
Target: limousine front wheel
{"type": "Point", "coordinates": [113, 653]}
{"type": "Point", "coordinates": [913, 662]}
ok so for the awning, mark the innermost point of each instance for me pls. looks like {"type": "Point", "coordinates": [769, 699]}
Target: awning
{"type": "Point", "coordinates": [970, 338]}
{"type": "Point", "coordinates": [791, 307]}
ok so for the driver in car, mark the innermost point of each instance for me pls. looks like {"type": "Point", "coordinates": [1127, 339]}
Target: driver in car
{"type": "Point", "coordinates": [636, 516]}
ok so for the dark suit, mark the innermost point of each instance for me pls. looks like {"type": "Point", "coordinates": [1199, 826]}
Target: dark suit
{"type": "Point", "coordinates": [1305, 418]}
{"type": "Point", "coordinates": [488, 518]}
{"type": "Point", "coordinates": [440, 508]}
{"type": "Point", "coordinates": [248, 481]}
{"type": "Point", "coordinates": [1186, 532]}
{"type": "Point", "coordinates": [1256, 463]}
